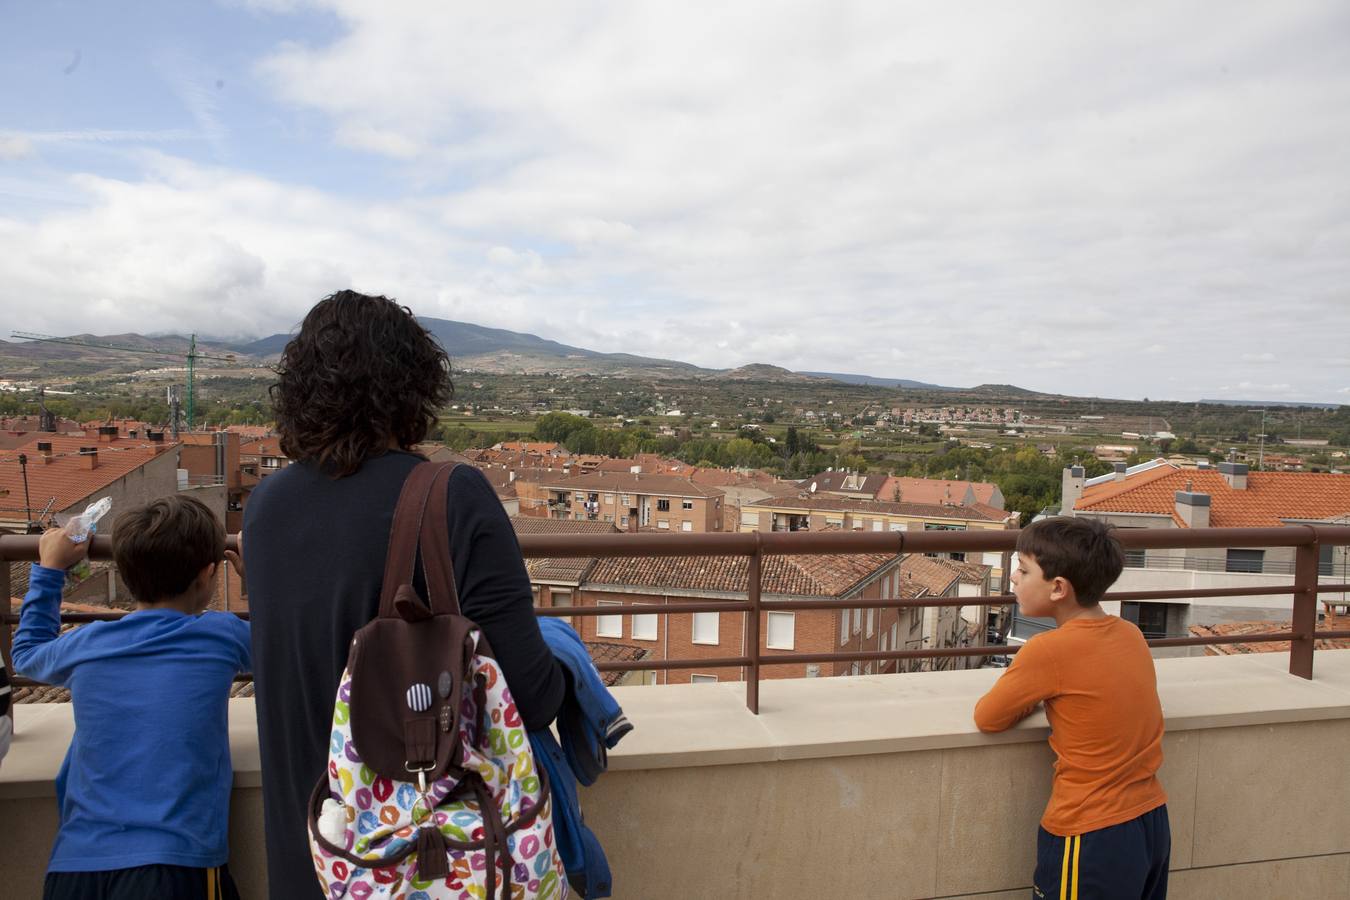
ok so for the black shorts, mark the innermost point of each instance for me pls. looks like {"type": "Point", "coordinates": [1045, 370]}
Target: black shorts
{"type": "Point", "coordinates": [166, 882]}
{"type": "Point", "coordinates": [1123, 862]}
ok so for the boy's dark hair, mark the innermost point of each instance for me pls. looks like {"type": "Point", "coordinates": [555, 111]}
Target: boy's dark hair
{"type": "Point", "coordinates": [362, 370]}
{"type": "Point", "coordinates": [161, 546]}
{"type": "Point", "coordinates": [1082, 551]}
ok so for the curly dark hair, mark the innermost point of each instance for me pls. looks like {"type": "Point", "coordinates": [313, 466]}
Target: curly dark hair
{"type": "Point", "coordinates": [362, 371]}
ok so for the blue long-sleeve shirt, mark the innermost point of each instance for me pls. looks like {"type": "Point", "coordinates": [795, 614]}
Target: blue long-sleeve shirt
{"type": "Point", "coordinates": [147, 777]}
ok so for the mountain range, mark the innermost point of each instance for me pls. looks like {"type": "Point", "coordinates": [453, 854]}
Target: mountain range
{"type": "Point", "coordinates": [473, 348]}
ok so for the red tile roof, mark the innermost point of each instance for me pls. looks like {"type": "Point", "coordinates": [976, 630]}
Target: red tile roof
{"type": "Point", "coordinates": [936, 490]}
{"type": "Point", "coordinates": [1269, 498]}
{"type": "Point", "coordinates": [817, 576]}
{"type": "Point", "coordinates": [844, 504]}
{"type": "Point", "coordinates": [66, 478]}
{"type": "Point", "coordinates": [540, 525]}
{"type": "Point", "coordinates": [1239, 628]}
{"type": "Point", "coordinates": [930, 573]}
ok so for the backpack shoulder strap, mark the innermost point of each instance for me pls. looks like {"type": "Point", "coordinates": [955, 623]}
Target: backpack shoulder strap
{"type": "Point", "coordinates": [421, 506]}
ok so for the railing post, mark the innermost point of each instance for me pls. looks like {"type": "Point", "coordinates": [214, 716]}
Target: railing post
{"type": "Point", "coordinates": [6, 637]}
{"type": "Point", "coordinates": [752, 628]}
{"type": "Point", "coordinates": [1304, 623]}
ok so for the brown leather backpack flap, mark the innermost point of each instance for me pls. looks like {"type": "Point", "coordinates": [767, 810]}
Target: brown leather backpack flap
{"type": "Point", "coordinates": [407, 688]}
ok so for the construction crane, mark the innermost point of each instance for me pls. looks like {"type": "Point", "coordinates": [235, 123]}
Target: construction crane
{"type": "Point", "coordinates": [192, 356]}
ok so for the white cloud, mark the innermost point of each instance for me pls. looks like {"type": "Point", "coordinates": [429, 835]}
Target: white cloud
{"type": "Point", "coordinates": [865, 187]}
{"type": "Point", "coordinates": [15, 146]}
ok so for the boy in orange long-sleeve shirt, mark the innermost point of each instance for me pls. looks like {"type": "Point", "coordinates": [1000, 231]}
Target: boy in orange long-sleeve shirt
{"type": "Point", "coordinates": [1104, 834]}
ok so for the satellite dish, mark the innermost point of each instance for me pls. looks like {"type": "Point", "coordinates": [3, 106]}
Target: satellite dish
{"type": "Point", "coordinates": [813, 487]}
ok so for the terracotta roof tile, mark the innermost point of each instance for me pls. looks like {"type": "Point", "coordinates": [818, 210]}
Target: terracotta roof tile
{"type": "Point", "coordinates": [930, 573]}
{"type": "Point", "coordinates": [820, 576]}
{"type": "Point", "coordinates": [1239, 628]}
{"type": "Point", "coordinates": [66, 478]}
{"type": "Point", "coordinates": [540, 525]}
{"type": "Point", "coordinates": [844, 504]}
{"type": "Point", "coordinates": [1269, 498]}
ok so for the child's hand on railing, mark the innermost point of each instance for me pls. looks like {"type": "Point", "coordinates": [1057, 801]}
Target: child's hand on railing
{"type": "Point", "coordinates": [57, 551]}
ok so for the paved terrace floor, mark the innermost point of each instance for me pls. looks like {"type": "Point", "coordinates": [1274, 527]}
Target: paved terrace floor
{"type": "Point", "coordinates": [878, 786]}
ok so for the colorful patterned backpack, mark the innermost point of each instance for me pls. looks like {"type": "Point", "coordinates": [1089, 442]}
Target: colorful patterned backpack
{"type": "Point", "coordinates": [432, 791]}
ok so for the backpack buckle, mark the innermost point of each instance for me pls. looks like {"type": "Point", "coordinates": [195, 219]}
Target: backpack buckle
{"type": "Point", "coordinates": [421, 774]}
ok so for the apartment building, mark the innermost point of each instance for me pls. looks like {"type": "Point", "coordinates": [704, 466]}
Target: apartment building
{"type": "Point", "coordinates": [261, 457]}
{"type": "Point", "coordinates": [61, 474]}
{"type": "Point", "coordinates": [707, 635]}
{"type": "Point", "coordinates": [808, 512]}
{"type": "Point", "coordinates": [1161, 494]}
{"type": "Point", "coordinates": [630, 500]}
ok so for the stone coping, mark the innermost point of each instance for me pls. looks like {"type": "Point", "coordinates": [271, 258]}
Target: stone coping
{"type": "Point", "coordinates": [808, 718]}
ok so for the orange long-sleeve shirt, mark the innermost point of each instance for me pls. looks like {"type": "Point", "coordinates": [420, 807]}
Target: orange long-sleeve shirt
{"type": "Point", "coordinates": [1100, 691]}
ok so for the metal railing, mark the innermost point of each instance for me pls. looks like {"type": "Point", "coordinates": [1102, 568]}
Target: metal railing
{"type": "Point", "coordinates": [1306, 540]}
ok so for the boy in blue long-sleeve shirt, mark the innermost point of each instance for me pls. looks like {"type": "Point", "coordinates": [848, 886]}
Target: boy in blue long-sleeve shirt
{"type": "Point", "coordinates": [145, 787]}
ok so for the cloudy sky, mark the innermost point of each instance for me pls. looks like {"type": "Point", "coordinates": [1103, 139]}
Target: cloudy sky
{"type": "Point", "coordinates": [1124, 200]}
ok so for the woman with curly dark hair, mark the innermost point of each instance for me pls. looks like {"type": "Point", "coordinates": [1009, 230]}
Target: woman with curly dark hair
{"type": "Point", "coordinates": [358, 388]}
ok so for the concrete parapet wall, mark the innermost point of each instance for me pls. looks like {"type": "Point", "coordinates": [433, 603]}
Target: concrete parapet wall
{"type": "Point", "coordinates": [879, 786]}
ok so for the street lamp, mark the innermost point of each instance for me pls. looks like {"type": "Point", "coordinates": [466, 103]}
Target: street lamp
{"type": "Point", "coordinates": [1261, 447]}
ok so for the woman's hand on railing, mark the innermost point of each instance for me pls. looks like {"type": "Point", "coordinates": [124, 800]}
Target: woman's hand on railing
{"type": "Point", "coordinates": [236, 558]}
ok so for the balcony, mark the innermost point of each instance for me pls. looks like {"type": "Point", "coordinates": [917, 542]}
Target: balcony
{"type": "Point", "coordinates": [880, 786]}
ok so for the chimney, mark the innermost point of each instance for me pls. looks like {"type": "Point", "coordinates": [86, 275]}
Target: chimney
{"type": "Point", "coordinates": [89, 457]}
{"type": "Point", "coordinates": [1235, 473]}
{"type": "Point", "coordinates": [45, 449]}
{"type": "Point", "coordinates": [1193, 507]}
{"type": "Point", "coordinates": [107, 434]}
{"type": "Point", "coordinates": [1120, 470]}
{"type": "Point", "coordinates": [1071, 489]}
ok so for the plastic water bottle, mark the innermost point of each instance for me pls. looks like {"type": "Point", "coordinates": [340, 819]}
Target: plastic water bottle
{"type": "Point", "coordinates": [80, 529]}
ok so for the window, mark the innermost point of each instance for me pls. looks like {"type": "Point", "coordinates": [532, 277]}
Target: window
{"type": "Point", "coordinates": [686, 504]}
{"type": "Point", "coordinates": [581, 495]}
{"type": "Point", "coordinates": [915, 618]}
{"type": "Point", "coordinates": [877, 524]}
{"type": "Point", "coordinates": [940, 526]}
{"type": "Point", "coordinates": [1244, 560]}
{"type": "Point", "coordinates": [686, 525]}
{"type": "Point", "coordinates": [561, 598]}
{"type": "Point", "coordinates": [867, 668]}
{"type": "Point", "coordinates": [649, 677]}
{"type": "Point", "coordinates": [843, 626]}
{"type": "Point", "coordinates": [609, 499]}
{"type": "Point", "coordinates": [623, 499]}
{"type": "Point", "coordinates": [1326, 561]}
{"type": "Point", "coordinates": [644, 627]}
{"type": "Point", "coordinates": [781, 633]}
{"type": "Point", "coordinates": [871, 621]}
{"type": "Point", "coordinates": [608, 517]}
{"type": "Point", "coordinates": [857, 620]}
{"type": "Point", "coordinates": [609, 626]}
{"type": "Point", "coordinates": [663, 523]}
{"type": "Point", "coordinates": [886, 588]}
{"type": "Point", "coordinates": [623, 521]}
{"type": "Point", "coordinates": [703, 679]}
{"type": "Point", "coordinates": [896, 526]}
{"type": "Point", "coordinates": [1150, 617]}
{"type": "Point", "coordinates": [706, 628]}
{"type": "Point", "coordinates": [885, 642]}
{"type": "Point", "coordinates": [663, 505]}
{"type": "Point", "coordinates": [835, 520]}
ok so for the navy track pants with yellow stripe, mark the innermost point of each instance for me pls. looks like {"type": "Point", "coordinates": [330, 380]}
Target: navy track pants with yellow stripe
{"type": "Point", "coordinates": [1124, 862]}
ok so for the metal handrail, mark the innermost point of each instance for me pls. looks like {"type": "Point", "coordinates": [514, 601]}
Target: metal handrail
{"type": "Point", "coordinates": [1302, 636]}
